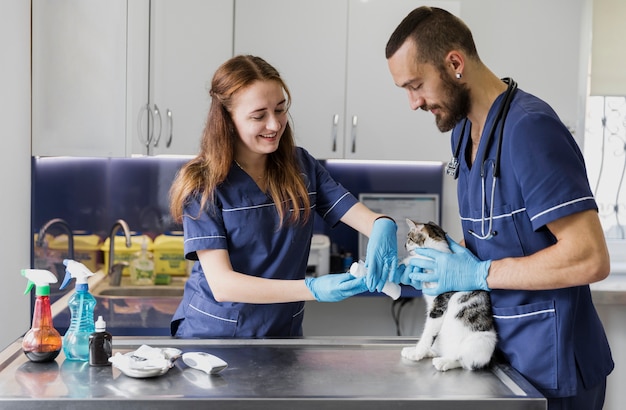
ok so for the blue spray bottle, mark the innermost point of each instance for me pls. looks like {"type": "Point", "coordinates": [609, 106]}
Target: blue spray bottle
{"type": "Point", "coordinates": [81, 304]}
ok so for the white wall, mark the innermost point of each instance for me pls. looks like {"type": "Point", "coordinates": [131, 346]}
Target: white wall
{"type": "Point", "coordinates": [537, 42]}
{"type": "Point", "coordinates": [14, 166]}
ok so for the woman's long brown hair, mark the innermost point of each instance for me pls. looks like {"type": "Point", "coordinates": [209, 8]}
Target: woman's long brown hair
{"type": "Point", "coordinates": [203, 174]}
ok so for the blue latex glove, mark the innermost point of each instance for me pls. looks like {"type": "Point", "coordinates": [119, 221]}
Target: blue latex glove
{"type": "Point", "coordinates": [456, 271]}
{"type": "Point", "coordinates": [381, 259]}
{"type": "Point", "coordinates": [402, 275]}
{"type": "Point", "coordinates": [335, 287]}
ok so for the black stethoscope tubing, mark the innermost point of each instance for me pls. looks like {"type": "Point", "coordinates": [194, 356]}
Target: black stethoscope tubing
{"type": "Point", "coordinates": [453, 166]}
{"type": "Point", "coordinates": [503, 111]}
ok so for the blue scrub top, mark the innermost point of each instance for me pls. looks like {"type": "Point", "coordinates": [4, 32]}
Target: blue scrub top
{"type": "Point", "coordinates": [246, 224]}
{"type": "Point", "coordinates": [548, 336]}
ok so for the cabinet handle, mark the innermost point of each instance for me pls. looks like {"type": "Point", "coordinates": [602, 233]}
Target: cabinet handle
{"type": "Point", "coordinates": [157, 114]}
{"type": "Point", "coordinates": [148, 138]}
{"type": "Point", "coordinates": [334, 131]}
{"type": "Point", "coordinates": [170, 119]}
{"type": "Point", "coordinates": [354, 124]}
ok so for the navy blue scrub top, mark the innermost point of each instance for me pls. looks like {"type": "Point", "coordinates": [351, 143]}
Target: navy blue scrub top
{"type": "Point", "coordinates": [245, 224]}
{"type": "Point", "coordinates": [548, 336]}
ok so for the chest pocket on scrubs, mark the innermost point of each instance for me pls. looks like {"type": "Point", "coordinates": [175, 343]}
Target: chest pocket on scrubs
{"type": "Point", "coordinates": [530, 331]}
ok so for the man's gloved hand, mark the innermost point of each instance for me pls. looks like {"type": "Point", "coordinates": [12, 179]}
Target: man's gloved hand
{"type": "Point", "coordinates": [456, 271]}
{"type": "Point", "coordinates": [335, 287]}
{"type": "Point", "coordinates": [402, 275]}
{"type": "Point", "coordinates": [381, 259]}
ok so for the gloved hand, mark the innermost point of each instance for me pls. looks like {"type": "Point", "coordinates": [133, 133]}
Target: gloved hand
{"type": "Point", "coordinates": [335, 287]}
{"type": "Point", "coordinates": [402, 275]}
{"type": "Point", "coordinates": [381, 259]}
{"type": "Point", "coordinates": [456, 271]}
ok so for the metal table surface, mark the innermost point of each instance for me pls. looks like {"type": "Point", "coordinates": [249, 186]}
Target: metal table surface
{"type": "Point", "coordinates": [309, 373]}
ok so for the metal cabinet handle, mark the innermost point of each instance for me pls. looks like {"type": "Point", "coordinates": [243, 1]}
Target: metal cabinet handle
{"type": "Point", "coordinates": [354, 124]}
{"type": "Point", "coordinates": [170, 119]}
{"type": "Point", "coordinates": [157, 114]}
{"type": "Point", "coordinates": [334, 131]}
{"type": "Point", "coordinates": [148, 138]}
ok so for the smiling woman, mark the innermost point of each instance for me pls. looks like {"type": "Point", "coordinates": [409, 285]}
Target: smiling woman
{"type": "Point", "coordinates": [246, 203]}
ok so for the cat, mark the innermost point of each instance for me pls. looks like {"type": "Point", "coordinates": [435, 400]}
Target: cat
{"type": "Point", "coordinates": [459, 330]}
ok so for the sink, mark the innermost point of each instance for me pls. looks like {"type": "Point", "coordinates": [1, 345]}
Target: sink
{"type": "Point", "coordinates": [129, 309]}
{"type": "Point", "coordinates": [127, 290]}
{"type": "Point", "coordinates": [142, 292]}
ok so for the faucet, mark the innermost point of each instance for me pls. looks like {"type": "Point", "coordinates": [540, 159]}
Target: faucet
{"type": "Point", "coordinates": [66, 227]}
{"type": "Point", "coordinates": [58, 266]}
{"type": "Point", "coordinates": [115, 270]}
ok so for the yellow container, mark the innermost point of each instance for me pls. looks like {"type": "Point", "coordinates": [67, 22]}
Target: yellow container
{"type": "Point", "coordinates": [169, 255]}
{"type": "Point", "coordinates": [122, 253]}
{"type": "Point", "coordinates": [86, 249]}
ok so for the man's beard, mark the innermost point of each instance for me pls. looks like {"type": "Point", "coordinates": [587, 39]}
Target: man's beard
{"type": "Point", "coordinates": [456, 107]}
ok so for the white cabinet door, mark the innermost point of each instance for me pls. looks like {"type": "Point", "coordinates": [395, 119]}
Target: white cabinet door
{"type": "Point", "coordinates": [101, 70]}
{"type": "Point", "coordinates": [380, 123]}
{"type": "Point", "coordinates": [331, 54]}
{"type": "Point", "coordinates": [306, 42]}
{"type": "Point", "coordinates": [79, 77]}
{"type": "Point", "coordinates": [189, 39]}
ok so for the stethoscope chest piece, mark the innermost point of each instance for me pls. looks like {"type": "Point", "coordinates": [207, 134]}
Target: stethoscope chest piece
{"type": "Point", "coordinates": [452, 169]}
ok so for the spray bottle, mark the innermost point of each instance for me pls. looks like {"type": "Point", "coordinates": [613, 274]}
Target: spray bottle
{"type": "Point", "coordinates": [81, 304]}
{"type": "Point", "coordinates": [42, 343]}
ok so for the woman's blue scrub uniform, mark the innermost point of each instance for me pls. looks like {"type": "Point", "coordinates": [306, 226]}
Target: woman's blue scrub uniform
{"type": "Point", "coordinates": [553, 337]}
{"type": "Point", "coordinates": [246, 224]}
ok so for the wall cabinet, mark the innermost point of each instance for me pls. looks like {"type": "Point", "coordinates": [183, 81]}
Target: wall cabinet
{"type": "Point", "coordinates": [125, 77]}
{"type": "Point", "coordinates": [189, 40]}
{"type": "Point", "coordinates": [331, 54]}
{"type": "Point", "coordinates": [79, 78]}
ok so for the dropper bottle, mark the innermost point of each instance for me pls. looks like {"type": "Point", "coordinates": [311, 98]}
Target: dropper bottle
{"type": "Point", "coordinates": [100, 345]}
{"type": "Point", "coordinates": [81, 305]}
{"type": "Point", "coordinates": [42, 343]}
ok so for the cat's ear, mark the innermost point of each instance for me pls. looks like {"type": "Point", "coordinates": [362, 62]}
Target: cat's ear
{"type": "Point", "coordinates": [410, 223]}
{"type": "Point", "coordinates": [438, 229]}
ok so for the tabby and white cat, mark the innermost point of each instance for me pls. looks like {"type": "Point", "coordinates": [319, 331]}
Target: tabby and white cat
{"type": "Point", "coordinates": [459, 329]}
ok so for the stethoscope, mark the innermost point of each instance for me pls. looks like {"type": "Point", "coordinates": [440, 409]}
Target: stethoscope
{"type": "Point", "coordinates": [453, 166]}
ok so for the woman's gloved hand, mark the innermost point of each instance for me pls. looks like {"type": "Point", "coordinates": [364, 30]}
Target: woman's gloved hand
{"type": "Point", "coordinates": [456, 271]}
{"type": "Point", "coordinates": [335, 287]}
{"type": "Point", "coordinates": [402, 275]}
{"type": "Point", "coordinates": [381, 259]}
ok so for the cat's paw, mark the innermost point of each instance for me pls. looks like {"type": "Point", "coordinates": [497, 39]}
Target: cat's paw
{"type": "Point", "coordinates": [444, 363]}
{"type": "Point", "coordinates": [415, 353]}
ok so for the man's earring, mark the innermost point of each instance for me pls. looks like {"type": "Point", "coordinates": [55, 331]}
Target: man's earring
{"type": "Point", "coordinates": [458, 76]}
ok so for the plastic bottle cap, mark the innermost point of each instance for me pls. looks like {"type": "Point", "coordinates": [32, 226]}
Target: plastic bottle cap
{"type": "Point", "coordinates": [101, 325]}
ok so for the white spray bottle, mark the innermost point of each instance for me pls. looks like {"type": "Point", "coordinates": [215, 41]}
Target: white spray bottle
{"type": "Point", "coordinates": [81, 304]}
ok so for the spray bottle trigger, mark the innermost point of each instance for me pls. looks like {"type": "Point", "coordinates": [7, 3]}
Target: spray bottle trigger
{"type": "Point", "coordinates": [66, 279]}
{"type": "Point", "coordinates": [29, 287]}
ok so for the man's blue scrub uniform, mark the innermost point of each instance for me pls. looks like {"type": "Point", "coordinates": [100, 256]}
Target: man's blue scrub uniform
{"type": "Point", "coordinates": [551, 336]}
{"type": "Point", "coordinates": [245, 223]}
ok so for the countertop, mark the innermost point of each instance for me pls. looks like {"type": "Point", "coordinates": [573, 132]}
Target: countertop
{"type": "Point", "coordinates": [309, 373]}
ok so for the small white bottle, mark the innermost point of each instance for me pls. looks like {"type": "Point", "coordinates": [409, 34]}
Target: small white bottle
{"type": "Point", "coordinates": [142, 266]}
{"type": "Point", "coordinates": [100, 345]}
